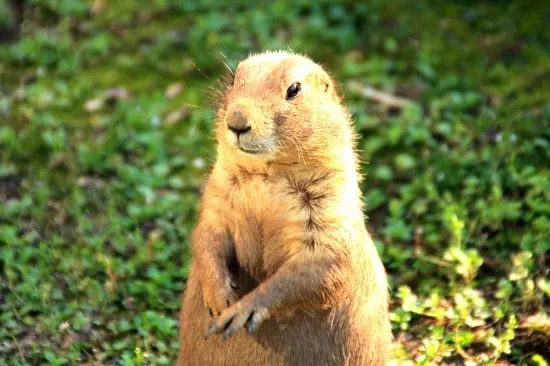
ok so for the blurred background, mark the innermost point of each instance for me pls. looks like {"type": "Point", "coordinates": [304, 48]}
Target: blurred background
{"type": "Point", "coordinates": [105, 140]}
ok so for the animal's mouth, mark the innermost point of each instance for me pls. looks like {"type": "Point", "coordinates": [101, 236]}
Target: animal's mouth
{"type": "Point", "coordinates": [251, 144]}
{"type": "Point", "coordinates": [255, 146]}
{"type": "Point", "coordinates": [248, 151]}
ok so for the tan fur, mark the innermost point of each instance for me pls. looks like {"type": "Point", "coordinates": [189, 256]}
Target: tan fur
{"type": "Point", "coordinates": [285, 226]}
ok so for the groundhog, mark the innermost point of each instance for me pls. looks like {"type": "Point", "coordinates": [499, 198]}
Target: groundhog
{"type": "Point", "coordinates": [284, 271]}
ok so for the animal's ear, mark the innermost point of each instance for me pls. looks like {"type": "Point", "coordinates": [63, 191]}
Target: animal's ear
{"type": "Point", "coordinates": [326, 85]}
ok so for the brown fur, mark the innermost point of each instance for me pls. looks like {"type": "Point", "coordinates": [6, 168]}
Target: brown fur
{"type": "Point", "coordinates": [281, 247]}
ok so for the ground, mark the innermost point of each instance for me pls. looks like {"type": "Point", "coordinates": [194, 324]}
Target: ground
{"type": "Point", "coordinates": [105, 140]}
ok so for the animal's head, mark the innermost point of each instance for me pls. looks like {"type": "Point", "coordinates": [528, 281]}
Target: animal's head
{"type": "Point", "coordinates": [281, 107]}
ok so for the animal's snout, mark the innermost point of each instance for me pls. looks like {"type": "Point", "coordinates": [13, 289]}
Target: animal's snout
{"type": "Point", "coordinates": [237, 121]}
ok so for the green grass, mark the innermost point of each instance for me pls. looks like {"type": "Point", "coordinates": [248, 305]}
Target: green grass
{"type": "Point", "coordinates": [99, 187]}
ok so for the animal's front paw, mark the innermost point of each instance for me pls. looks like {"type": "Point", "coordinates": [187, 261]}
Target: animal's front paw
{"type": "Point", "coordinates": [218, 296]}
{"type": "Point", "coordinates": [242, 313]}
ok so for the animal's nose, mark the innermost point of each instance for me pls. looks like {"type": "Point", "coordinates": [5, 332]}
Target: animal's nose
{"type": "Point", "coordinates": [238, 123]}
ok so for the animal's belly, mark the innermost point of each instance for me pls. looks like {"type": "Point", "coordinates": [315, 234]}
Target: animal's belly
{"type": "Point", "coordinates": [263, 225]}
{"type": "Point", "coordinates": [303, 339]}
{"type": "Point", "coordinates": [248, 246]}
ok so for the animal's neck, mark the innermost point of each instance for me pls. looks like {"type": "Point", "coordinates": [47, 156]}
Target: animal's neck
{"type": "Point", "coordinates": [338, 163]}
{"type": "Point", "coordinates": [339, 170]}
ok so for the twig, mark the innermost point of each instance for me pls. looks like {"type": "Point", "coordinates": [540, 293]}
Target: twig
{"type": "Point", "coordinates": [378, 96]}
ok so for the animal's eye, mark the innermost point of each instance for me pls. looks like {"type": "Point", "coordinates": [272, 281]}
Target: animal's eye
{"type": "Point", "coordinates": [293, 90]}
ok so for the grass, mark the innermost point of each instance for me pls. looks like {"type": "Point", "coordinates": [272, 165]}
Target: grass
{"type": "Point", "coordinates": [105, 141]}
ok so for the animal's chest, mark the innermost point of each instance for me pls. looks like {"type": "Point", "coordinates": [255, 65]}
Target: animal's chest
{"type": "Point", "coordinates": [262, 217]}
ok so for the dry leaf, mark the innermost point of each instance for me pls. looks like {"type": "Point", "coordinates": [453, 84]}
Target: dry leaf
{"type": "Point", "coordinates": [174, 90]}
{"type": "Point", "coordinates": [110, 96]}
{"type": "Point", "coordinates": [176, 116]}
{"type": "Point", "coordinates": [97, 6]}
{"type": "Point", "coordinates": [539, 322]}
{"type": "Point", "coordinates": [113, 94]}
{"type": "Point", "coordinates": [94, 105]}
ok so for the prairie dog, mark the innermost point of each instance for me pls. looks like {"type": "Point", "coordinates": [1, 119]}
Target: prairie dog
{"type": "Point", "coordinates": [283, 266]}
